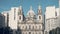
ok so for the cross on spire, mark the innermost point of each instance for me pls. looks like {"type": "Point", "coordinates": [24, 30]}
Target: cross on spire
{"type": "Point", "coordinates": [20, 7]}
{"type": "Point", "coordinates": [30, 7]}
{"type": "Point", "coordinates": [39, 7]}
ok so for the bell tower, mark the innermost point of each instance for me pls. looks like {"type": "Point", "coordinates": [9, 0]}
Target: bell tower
{"type": "Point", "coordinates": [20, 19]}
{"type": "Point", "coordinates": [20, 14]}
{"type": "Point", "coordinates": [39, 18]}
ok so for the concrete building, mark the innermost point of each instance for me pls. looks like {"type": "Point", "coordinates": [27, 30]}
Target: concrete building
{"type": "Point", "coordinates": [13, 17]}
{"type": "Point", "coordinates": [2, 20]}
{"type": "Point", "coordinates": [51, 18]}
{"type": "Point", "coordinates": [59, 15]}
{"type": "Point", "coordinates": [6, 14]}
{"type": "Point", "coordinates": [50, 12]}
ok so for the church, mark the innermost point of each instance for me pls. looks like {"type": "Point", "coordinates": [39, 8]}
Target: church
{"type": "Point", "coordinates": [31, 24]}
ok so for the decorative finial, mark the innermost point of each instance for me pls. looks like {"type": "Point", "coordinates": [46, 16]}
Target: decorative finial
{"type": "Point", "coordinates": [30, 7]}
{"type": "Point", "coordinates": [39, 7]}
{"type": "Point", "coordinates": [20, 7]}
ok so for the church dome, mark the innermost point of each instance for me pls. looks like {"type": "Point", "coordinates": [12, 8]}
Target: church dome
{"type": "Point", "coordinates": [30, 12]}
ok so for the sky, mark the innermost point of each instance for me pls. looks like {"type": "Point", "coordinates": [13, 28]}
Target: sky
{"type": "Point", "coordinates": [5, 5]}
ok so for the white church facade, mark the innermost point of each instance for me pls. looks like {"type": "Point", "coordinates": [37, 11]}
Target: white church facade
{"type": "Point", "coordinates": [31, 24]}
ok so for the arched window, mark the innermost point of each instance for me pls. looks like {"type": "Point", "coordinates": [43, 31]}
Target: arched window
{"type": "Point", "coordinates": [20, 17]}
{"type": "Point", "coordinates": [39, 17]}
{"type": "Point", "coordinates": [39, 11]}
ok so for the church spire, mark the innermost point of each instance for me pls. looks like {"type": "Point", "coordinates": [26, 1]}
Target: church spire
{"type": "Point", "coordinates": [30, 7]}
{"type": "Point", "coordinates": [20, 11]}
{"type": "Point", "coordinates": [20, 14]}
{"type": "Point", "coordinates": [39, 13]}
{"type": "Point", "coordinates": [39, 7]}
{"type": "Point", "coordinates": [20, 7]}
{"type": "Point", "coordinates": [39, 10]}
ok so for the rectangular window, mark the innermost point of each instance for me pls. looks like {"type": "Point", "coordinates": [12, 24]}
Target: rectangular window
{"type": "Point", "coordinates": [40, 27]}
{"type": "Point", "coordinates": [26, 28]}
{"type": "Point", "coordinates": [33, 27]}
{"type": "Point", "coordinates": [55, 13]}
{"type": "Point", "coordinates": [29, 27]}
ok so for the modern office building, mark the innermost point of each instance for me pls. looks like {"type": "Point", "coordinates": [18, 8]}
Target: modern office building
{"type": "Point", "coordinates": [51, 18]}
{"type": "Point", "coordinates": [13, 17]}
{"type": "Point", "coordinates": [6, 14]}
{"type": "Point", "coordinates": [2, 21]}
